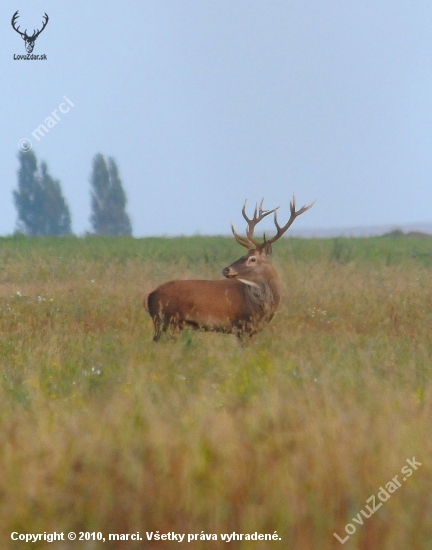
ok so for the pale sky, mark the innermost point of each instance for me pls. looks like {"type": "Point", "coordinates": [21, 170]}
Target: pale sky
{"type": "Point", "coordinates": [205, 103]}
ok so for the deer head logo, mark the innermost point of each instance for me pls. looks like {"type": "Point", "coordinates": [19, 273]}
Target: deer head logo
{"type": "Point", "coordinates": [29, 40]}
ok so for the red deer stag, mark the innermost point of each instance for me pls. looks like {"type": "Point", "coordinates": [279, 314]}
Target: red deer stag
{"type": "Point", "coordinates": [241, 304]}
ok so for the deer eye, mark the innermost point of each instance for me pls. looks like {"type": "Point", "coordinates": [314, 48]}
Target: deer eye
{"type": "Point", "coordinates": [252, 259]}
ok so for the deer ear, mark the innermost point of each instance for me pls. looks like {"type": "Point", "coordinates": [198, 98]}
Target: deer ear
{"type": "Point", "coordinates": [266, 248]}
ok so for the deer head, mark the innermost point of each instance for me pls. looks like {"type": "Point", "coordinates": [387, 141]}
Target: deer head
{"type": "Point", "coordinates": [260, 252]}
{"type": "Point", "coordinates": [29, 40]}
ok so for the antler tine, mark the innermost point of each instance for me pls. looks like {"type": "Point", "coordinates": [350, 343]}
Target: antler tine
{"type": "Point", "coordinates": [244, 211]}
{"type": "Point", "coordinates": [44, 24]}
{"type": "Point", "coordinates": [294, 214]}
{"type": "Point", "coordinates": [14, 20]}
{"type": "Point", "coordinates": [241, 240]}
{"type": "Point", "coordinates": [259, 214]}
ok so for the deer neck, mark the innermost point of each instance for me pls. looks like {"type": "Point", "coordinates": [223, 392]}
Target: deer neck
{"type": "Point", "coordinates": [264, 294]}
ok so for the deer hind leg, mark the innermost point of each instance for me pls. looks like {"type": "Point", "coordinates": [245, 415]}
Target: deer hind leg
{"type": "Point", "coordinates": [166, 325]}
{"type": "Point", "coordinates": [161, 325]}
{"type": "Point", "coordinates": [158, 328]}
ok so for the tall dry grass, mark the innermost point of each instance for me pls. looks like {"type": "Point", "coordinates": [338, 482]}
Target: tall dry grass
{"type": "Point", "coordinates": [102, 430]}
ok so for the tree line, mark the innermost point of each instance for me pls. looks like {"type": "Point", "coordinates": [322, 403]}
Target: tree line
{"type": "Point", "coordinates": [43, 210]}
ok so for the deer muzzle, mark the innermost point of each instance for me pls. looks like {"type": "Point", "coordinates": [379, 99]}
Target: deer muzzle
{"type": "Point", "coordinates": [229, 272]}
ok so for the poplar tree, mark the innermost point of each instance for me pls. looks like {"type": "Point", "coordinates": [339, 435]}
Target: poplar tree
{"type": "Point", "coordinates": [108, 199]}
{"type": "Point", "coordinates": [42, 209]}
{"type": "Point", "coordinates": [57, 219]}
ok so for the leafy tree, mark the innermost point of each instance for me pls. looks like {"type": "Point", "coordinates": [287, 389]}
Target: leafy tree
{"type": "Point", "coordinates": [108, 199]}
{"type": "Point", "coordinates": [57, 218]}
{"type": "Point", "coordinates": [42, 209]}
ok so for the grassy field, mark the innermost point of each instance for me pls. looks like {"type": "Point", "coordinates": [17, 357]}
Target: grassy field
{"type": "Point", "coordinates": [102, 430]}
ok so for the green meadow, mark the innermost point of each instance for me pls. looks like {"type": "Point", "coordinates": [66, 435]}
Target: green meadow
{"type": "Point", "coordinates": [104, 431]}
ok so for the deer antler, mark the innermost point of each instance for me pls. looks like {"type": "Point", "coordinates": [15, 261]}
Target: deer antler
{"type": "Point", "coordinates": [14, 18]}
{"type": "Point", "coordinates": [43, 26]}
{"type": "Point", "coordinates": [24, 34]}
{"type": "Point", "coordinates": [294, 214]}
{"type": "Point", "coordinates": [259, 214]}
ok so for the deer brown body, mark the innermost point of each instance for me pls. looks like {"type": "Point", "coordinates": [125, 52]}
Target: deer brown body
{"type": "Point", "coordinates": [242, 304]}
